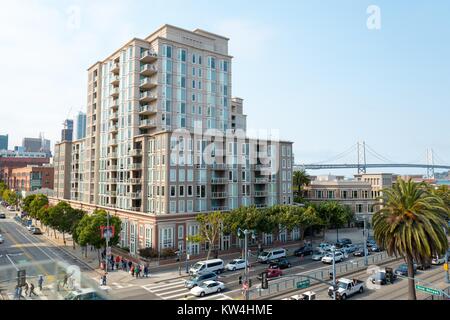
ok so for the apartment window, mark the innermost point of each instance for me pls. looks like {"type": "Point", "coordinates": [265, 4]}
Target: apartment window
{"type": "Point", "coordinates": [167, 238]}
{"type": "Point", "coordinates": [211, 62]}
{"type": "Point", "coordinates": [181, 206]}
{"type": "Point", "coordinates": [190, 191]}
{"type": "Point", "coordinates": [190, 206]}
{"type": "Point", "coordinates": [330, 194]}
{"type": "Point", "coordinates": [201, 191]}
{"type": "Point", "coordinates": [355, 194]}
{"type": "Point", "coordinates": [194, 58]}
{"type": "Point", "coordinates": [182, 55]}
{"type": "Point", "coordinates": [173, 191]}
{"type": "Point", "coordinates": [181, 191]}
{"type": "Point", "coordinates": [172, 206]}
{"type": "Point", "coordinates": [199, 59]}
{"type": "Point", "coordinates": [190, 175]}
{"type": "Point", "coordinates": [180, 232]}
{"type": "Point", "coordinates": [359, 208]}
{"type": "Point", "coordinates": [167, 51]}
{"type": "Point", "coordinates": [319, 194]}
{"type": "Point", "coordinates": [173, 175]}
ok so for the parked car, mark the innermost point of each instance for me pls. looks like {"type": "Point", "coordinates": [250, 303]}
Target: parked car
{"type": "Point", "coordinates": [304, 251]}
{"type": "Point", "coordinates": [281, 263]}
{"type": "Point", "coordinates": [375, 248]}
{"type": "Point", "coordinates": [214, 265]}
{"type": "Point", "coordinates": [272, 273]}
{"type": "Point", "coordinates": [324, 246]}
{"type": "Point", "coordinates": [235, 264]}
{"type": "Point", "coordinates": [318, 255]}
{"type": "Point", "coordinates": [343, 241]}
{"type": "Point", "coordinates": [199, 279]}
{"type": "Point", "coordinates": [30, 227]}
{"type": "Point", "coordinates": [371, 243]}
{"type": "Point", "coordinates": [402, 270]}
{"type": "Point", "coordinates": [346, 288]}
{"type": "Point", "coordinates": [11, 208]}
{"type": "Point", "coordinates": [271, 254]}
{"type": "Point", "coordinates": [360, 252]}
{"type": "Point", "coordinates": [2, 215]}
{"type": "Point", "coordinates": [349, 248]}
{"type": "Point", "coordinates": [423, 266]}
{"type": "Point", "coordinates": [438, 260]}
{"type": "Point", "coordinates": [208, 287]}
{"type": "Point", "coordinates": [338, 257]}
{"type": "Point", "coordinates": [1, 239]}
{"type": "Point", "coordinates": [36, 230]}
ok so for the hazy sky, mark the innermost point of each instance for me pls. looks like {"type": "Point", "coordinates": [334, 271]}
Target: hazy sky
{"type": "Point", "coordinates": [312, 69]}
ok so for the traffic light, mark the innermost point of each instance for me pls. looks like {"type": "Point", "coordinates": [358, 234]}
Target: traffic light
{"type": "Point", "coordinates": [240, 279]}
{"type": "Point", "coordinates": [264, 282]}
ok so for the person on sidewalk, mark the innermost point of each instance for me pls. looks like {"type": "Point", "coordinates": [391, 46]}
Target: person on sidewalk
{"type": "Point", "coordinates": [146, 270]}
{"type": "Point", "coordinates": [132, 269]}
{"type": "Point", "coordinates": [137, 270]}
{"type": "Point", "coordinates": [32, 290]}
{"type": "Point", "coordinates": [19, 293]}
{"type": "Point", "coordinates": [40, 282]}
{"type": "Point", "coordinates": [104, 280]}
{"type": "Point", "coordinates": [26, 288]}
{"type": "Point", "coordinates": [124, 264]}
{"type": "Point", "coordinates": [117, 262]}
{"type": "Point", "coordinates": [130, 264]}
{"type": "Point", "coordinates": [65, 280]}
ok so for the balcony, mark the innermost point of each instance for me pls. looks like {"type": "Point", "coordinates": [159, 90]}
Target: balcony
{"type": "Point", "coordinates": [115, 80]}
{"type": "Point", "coordinates": [135, 166]}
{"type": "Point", "coordinates": [147, 123]}
{"type": "Point", "coordinates": [135, 153]}
{"type": "Point", "coordinates": [219, 208]}
{"type": "Point", "coordinates": [261, 180]}
{"type": "Point", "coordinates": [260, 205]}
{"type": "Point", "coordinates": [111, 193]}
{"type": "Point", "coordinates": [148, 69]}
{"type": "Point", "coordinates": [148, 83]}
{"type": "Point", "coordinates": [115, 69]}
{"type": "Point", "coordinates": [148, 56]}
{"type": "Point", "coordinates": [219, 166]}
{"type": "Point", "coordinates": [114, 104]}
{"type": "Point", "coordinates": [112, 155]}
{"type": "Point", "coordinates": [218, 180]}
{"type": "Point", "coordinates": [137, 209]}
{"type": "Point", "coordinates": [112, 142]}
{"type": "Point", "coordinates": [113, 116]}
{"type": "Point", "coordinates": [147, 109]}
{"type": "Point", "coordinates": [147, 96]}
{"type": "Point", "coordinates": [115, 92]}
{"type": "Point", "coordinates": [260, 193]}
{"type": "Point", "coordinates": [113, 129]}
{"type": "Point", "coordinates": [135, 195]}
{"type": "Point", "coordinates": [262, 167]}
{"type": "Point", "coordinates": [135, 180]}
{"type": "Point", "coordinates": [218, 195]}
{"type": "Point", "coordinates": [112, 168]}
{"type": "Point", "coordinates": [112, 180]}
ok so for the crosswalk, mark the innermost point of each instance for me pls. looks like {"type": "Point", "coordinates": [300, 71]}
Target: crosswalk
{"type": "Point", "coordinates": [175, 290]}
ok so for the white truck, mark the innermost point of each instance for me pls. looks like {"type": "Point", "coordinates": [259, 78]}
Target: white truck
{"type": "Point", "coordinates": [346, 288]}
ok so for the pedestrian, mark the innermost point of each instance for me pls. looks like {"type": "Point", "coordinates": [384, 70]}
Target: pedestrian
{"type": "Point", "coordinates": [16, 293]}
{"type": "Point", "coordinates": [146, 270]}
{"type": "Point", "coordinates": [117, 262]}
{"type": "Point", "coordinates": [124, 264]}
{"type": "Point", "coordinates": [19, 293]}
{"type": "Point", "coordinates": [32, 289]}
{"type": "Point", "coordinates": [40, 282]}
{"type": "Point", "coordinates": [112, 265]}
{"type": "Point", "coordinates": [130, 264]}
{"type": "Point", "coordinates": [65, 280]}
{"type": "Point", "coordinates": [132, 270]}
{"type": "Point", "coordinates": [26, 288]}
{"type": "Point", "coordinates": [136, 270]}
{"type": "Point", "coordinates": [104, 280]}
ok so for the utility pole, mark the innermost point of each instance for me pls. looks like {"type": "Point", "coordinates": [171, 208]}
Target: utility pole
{"type": "Point", "coordinates": [366, 259]}
{"type": "Point", "coordinates": [246, 233]}
{"type": "Point", "coordinates": [107, 242]}
{"type": "Point", "coordinates": [333, 249]}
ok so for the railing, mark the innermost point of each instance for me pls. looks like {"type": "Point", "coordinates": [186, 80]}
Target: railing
{"type": "Point", "coordinates": [148, 80]}
{"type": "Point", "coordinates": [112, 180]}
{"type": "Point", "coordinates": [148, 67]}
{"type": "Point", "coordinates": [111, 193]}
{"type": "Point", "coordinates": [135, 195]}
{"type": "Point", "coordinates": [135, 180]}
{"type": "Point", "coordinates": [115, 66]}
{"type": "Point", "coordinates": [112, 142]}
{"type": "Point", "coordinates": [115, 79]}
{"type": "Point", "coordinates": [218, 194]}
{"type": "Point", "coordinates": [260, 205]}
{"type": "Point", "coordinates": [136, 209]}
{"type": "Point", "coordinates": [218, 180]}
{"type": "Point", "coordinates": [261, 180]}
{"type": "Point", "coordinates": [113, 168]}
{"type": "Point", "coordinates": [219, 208]}
{"type": "Point", "coordinates": [147, 122]}
{"type": "Point", "coordinates": [135, 152]}
{"type": "Point", "coordinates": [113, 128]}
{"type": "Point", "coordinates": [323, 274]}
{"type": "Point", "coordinates": [113, 115]}
{"type": "Point", "coordinates": [148, 53]}
{"type": "Point", "coordinates": [262, 167]}
{"type": "Point", "coordinates": [148, 108]}
{"type": "Point", "coordinates": [114, 103]}
{"type": "Point", "coordinates": [135, 166]}
{"type": "Point", "coordinates": [112, 155]}
{"type": "Point", "coordinates": [219, 166]}
{"type": "Point", "coordinates": [147, 94]}
{"type": "Point", "coordinates": [260, 193]}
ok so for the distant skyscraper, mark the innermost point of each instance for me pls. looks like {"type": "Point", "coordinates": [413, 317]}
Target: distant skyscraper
{"type": "Point", "coordinates": [4, 142]}
{"type": "Point", "coordinates": [67, 132]}
{"type": "Point", "coordinates": [81, 125]}
{"type": "Point", "coordinates": [32, 144]}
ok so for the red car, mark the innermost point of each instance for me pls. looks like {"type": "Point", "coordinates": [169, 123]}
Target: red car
{"type": "Point", "coordinates": [273, 273]}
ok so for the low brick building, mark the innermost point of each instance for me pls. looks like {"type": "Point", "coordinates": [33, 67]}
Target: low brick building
{"type": "Point", "coordinates": [31, 178]}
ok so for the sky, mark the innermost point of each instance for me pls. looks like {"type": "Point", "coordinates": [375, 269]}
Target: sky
{"type": "Point", "coordinates": [326, 74]}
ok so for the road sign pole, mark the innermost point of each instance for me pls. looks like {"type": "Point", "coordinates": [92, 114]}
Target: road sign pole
{"type": "Point", "coordinates": [447, 276]}
{"type": "Point", "coordinates": [246, 265]}
{"type": "Point", "coordinates": [366, 259]}
{"type": "Point", "coordinates": [333, 249]}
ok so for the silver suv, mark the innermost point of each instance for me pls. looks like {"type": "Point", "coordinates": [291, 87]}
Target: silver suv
{"type": "Point", "coordinates": [199, 279]}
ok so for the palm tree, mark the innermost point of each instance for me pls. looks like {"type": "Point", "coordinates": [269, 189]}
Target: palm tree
{"type": "Point", "coordinates": [411, 223]}
{"type": "Point", "coordinates": [300, 180]}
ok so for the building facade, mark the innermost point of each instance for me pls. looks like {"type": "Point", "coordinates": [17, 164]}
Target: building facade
{"type": "Point", "coordinates": [31, 178]}
{"type": "Point", "coordinates": [3, 142]}
{"type": "Point", "coordinates": [81, 126]}
{"type": "Point", "coordinates": [62, 163]}
{"type": "Point", "coordinates": [166, 141]}
{"type": "Point", "coordinates": [67, 132]}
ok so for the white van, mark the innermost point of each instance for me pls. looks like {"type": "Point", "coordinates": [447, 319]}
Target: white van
{"type": "Point", "coordinates": [215, 265]}
{"type": "Point", "coordinates": [271, 254]}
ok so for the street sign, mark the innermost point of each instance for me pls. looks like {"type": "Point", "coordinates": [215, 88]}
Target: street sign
{"type": "Point", "coordinates": [446, 266]}
{"type": "Point", "coordinates": [107, 232]}
{"type": "Point", "coordinates": [303, 284]}
{"type": "Point", "coordinates": [428, 290]}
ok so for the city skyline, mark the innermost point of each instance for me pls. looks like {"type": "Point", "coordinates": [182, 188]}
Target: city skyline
{"type": "Point", "coordinates": [362, 69]}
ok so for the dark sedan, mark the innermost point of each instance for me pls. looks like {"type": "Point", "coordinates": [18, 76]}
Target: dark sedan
{"type": "Point", "coordinates": [281, 263]}
{"type": "Point", "coordinates": [2, 216]}
{"type": "Point", "coordinates": [303, 251]}
{"type": "Point", "coordinates": [402, 270]}
{"type": "Point", "coordinates": [360, 252]}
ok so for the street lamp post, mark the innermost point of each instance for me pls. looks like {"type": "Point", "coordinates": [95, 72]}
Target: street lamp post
{"type": "Point", "coordinates": [447, 275]}
{"type": "Point", "coordinates": [366, 259]}
{"type": "Point", "coordinates": [187, 255]}
{"type": "Point", "coordinates": [246, 233]}
{"type": "Point", "coordinates": [333, 249]}
{"type": "Point", "coordinates": [107, 242]}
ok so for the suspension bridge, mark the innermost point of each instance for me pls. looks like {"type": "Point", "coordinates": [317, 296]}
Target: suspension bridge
{"type": "Point", "coordinates": [362, 150]}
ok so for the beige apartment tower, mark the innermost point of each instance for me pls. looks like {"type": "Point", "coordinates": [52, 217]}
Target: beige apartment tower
{"type": "Point", "coordinates": [165, 141]}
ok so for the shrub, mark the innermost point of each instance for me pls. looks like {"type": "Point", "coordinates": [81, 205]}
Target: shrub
{"type": "Point", "coordinates": [148, 253]}
{"type": "Point", "coordinates": [168, 252]}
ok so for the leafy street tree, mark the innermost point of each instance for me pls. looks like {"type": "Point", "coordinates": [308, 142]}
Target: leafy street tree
{"type": "Point", "coordinates": [11, 197]}
{"type": "Point", "coordinates": [300, 179]}
{"type": "Point", "coordinates": [26, 202]}
{"type": "Point", "coordinates": [411, 223]}
{"type": "Point", "coordinates": [3, 187]}
{"type": "Point", "coordinates": [334, 214]}
{"type": "Point", "coordinates": [210, 226]}
{"type": "Point", "coordinates": [39, 201]}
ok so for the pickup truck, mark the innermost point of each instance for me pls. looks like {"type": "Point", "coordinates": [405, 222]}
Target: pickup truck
{"type": "Point", "coordinates": [346, 288]}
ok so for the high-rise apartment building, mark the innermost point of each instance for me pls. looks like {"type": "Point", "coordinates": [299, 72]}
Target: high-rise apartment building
{"type": "Point", "coordinates": [67, 132]}
{"type": "Point", "coordinates": [166, 141]}
{"type": "Point", "coordinates": [62, 163]}
{"type": "Point", "coordinates": [3, 142]}
{"type": "Point", "coordinates": [81, 126]}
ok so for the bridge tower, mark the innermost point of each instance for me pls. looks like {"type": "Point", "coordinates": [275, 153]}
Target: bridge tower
{"type": "Point", "coordinates": [362, 165]}
{"type": "Point", "coordinates": [430, 164]}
